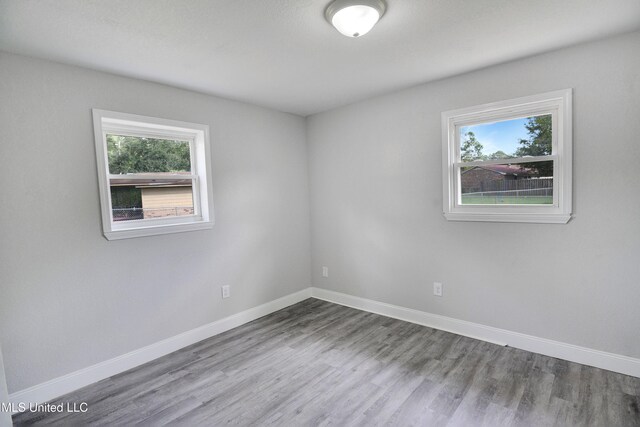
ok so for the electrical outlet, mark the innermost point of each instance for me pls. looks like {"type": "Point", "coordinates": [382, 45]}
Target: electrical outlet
{"type": "Point", "coordinates": [437, 289]}
{"type": "Point", "coordinates": [325, 271]}
{"type": "Point", "coordinates": [226, 291]}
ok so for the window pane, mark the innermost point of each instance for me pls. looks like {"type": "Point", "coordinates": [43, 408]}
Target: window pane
{"type": "Point", "coordinates": [126, 202]}
{"type": "Point", "coordinates": [132, 154]}
{"type": "Point", "coordinates": [153, 198]}
{"type": "Point", "coordinates": [507, 139]}
{"type": "Point", "coordinates": [515, 184]}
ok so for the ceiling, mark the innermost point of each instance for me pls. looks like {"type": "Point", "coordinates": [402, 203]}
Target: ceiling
{"type": "Point", "coordinates": [284, 55]}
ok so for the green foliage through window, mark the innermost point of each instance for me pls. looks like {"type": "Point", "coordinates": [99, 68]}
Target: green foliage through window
{"type": "Point", "coordinates": [538, 143]}
{"type": "Point", "coordinates": [131, 154]}
{"type": "Point", "coordinates": [471, 149]}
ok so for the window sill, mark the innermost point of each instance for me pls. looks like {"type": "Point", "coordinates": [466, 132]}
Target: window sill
{"type": "Point", "coordinates": [156, 230]}
{"type": "Point", "coordinates": [537, 218]}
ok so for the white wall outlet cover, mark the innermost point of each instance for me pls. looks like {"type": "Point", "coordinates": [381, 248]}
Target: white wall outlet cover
{"type": "Point", "coordinates": [325, 271]}
{"type": "Point", "coordinates": [437, 289]}
{"type": "Point", "coordinates": [226, 291]}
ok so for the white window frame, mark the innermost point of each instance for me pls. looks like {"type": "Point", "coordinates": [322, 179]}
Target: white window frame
{"type": "Point", "coordinates": [558, 104]}
{"type": "Point", "coordinates": [112, 122]}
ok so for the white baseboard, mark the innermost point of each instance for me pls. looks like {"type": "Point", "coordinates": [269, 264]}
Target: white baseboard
{"type": "Point", "coordinates": [600, 359]}
{"type": "Point", "coordinates": [57, 387]}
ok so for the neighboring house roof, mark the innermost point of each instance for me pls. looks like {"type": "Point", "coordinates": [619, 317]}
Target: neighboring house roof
{"type": "Point", "coordinates": [145, 183]}
{"type": "Point", "coordinates": [150, 183]}
{"type": "Point", "coordinates": [505, 170]}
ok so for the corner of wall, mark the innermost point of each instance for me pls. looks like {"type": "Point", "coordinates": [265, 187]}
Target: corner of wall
{"type": "Point", "coordinates": [5, 416]}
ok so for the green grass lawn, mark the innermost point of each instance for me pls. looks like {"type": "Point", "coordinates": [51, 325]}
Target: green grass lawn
{"type": "Point", "coordinates": [506, 200]}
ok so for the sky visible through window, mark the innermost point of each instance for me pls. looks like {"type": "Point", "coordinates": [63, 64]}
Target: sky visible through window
{"type": "Point", "coordinates": [502, 136]}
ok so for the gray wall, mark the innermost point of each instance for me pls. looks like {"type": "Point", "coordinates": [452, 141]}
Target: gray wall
{"type": "Point", "coordinates": [70, 298]}
{"type": "Point", "coordinates": [376, 205]}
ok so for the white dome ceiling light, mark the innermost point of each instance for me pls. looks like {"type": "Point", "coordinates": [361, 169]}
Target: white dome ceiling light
{"type": "Point", "coordinates": [355, 18]}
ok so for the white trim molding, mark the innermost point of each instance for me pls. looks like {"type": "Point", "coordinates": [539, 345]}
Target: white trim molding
{"type": "Point", "coordinates": [196, 135]}
{"type": "Point", "coordinates": [573, 353]}
{"type": "Point", "coordinates": [558, 106]}
{"type": "Point", "coordinates": [57, 387]}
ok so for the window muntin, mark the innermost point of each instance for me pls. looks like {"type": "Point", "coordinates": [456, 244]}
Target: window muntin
{"type": "Point", "coordinates": [509, 161]}
{"type": "Point", "coordinates": [153, 174]}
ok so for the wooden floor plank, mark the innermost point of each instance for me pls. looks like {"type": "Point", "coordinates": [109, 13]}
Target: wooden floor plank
{"type": "Point", "coordinates": [322, 364]}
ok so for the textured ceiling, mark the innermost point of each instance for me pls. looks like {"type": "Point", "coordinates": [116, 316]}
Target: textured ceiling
{"type": "Point", "coordinates": [283, 54]}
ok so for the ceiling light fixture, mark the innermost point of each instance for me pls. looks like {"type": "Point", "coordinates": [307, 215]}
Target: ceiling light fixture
{"type": "Point", "coordinates": [355, 18]}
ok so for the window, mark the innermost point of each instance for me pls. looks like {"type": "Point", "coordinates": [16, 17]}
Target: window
{"type": "Point", "coordinates": [509, 161]}
{"type": "Point", "coordinates": [154, 175]}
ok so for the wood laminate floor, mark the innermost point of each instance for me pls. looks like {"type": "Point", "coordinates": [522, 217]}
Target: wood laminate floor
{"type": "Point", "coordinates": [317, 363]}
